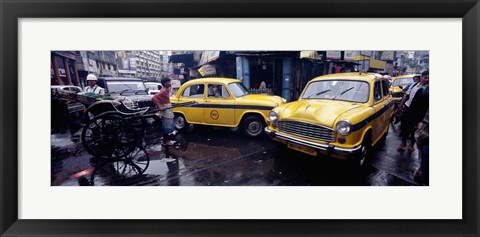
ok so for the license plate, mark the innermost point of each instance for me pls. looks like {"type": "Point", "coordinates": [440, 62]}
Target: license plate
{"type": "Point", "coordinates": [302, 148]}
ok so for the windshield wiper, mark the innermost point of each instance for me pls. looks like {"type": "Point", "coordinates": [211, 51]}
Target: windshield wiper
{"type": "Point", "coordinates": [319, 93]}
{"type": "Point", "coordinates": [121, 92]}
{"type": "Point", "coordinates": [136, 92]}
{"type": "Point", "coordinates": [343, 92]}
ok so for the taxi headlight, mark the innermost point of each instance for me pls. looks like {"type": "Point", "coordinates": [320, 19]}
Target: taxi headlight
{"type": "Point", "coordinates": [344, 127]}
{"type": "Point", "coordinates": [273, 115]}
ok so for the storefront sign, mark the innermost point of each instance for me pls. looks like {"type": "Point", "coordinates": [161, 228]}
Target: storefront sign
{"type": "Point", "coordinates": [207, 70]}
{"type": "Point", "coordinates": [350, 55]}
{"type": "Point", "coordinates": [334, 54]}
{"type": "Point", "coordinates": [208, 56]}
{"type": "Point", "coordinates": [366, 53]}
{"type": "Point", "coordinates": [377, 64]}
{"type": "Point", "coordinates": [62, 72]}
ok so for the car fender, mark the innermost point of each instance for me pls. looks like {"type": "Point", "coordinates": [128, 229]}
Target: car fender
{"type": "Point", "coordinates": [246, 112]}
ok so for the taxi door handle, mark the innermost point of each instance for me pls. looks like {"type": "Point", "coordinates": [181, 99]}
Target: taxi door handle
{"type": "Point", "coordinates": [207, 100]}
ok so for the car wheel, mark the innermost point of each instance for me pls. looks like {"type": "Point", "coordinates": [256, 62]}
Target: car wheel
{"type": "Point", "coordinates": [366, 150]}
{"type": "Point", "coordinates": [253, 126]}
{"type": "Point", "coordinates": [180, 122]}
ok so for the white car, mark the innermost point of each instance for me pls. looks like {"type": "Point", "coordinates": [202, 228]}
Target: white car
{"type": "Point", "coordinates": [67, 88]}
{"type": "Point", "coordinates": [153, 87]}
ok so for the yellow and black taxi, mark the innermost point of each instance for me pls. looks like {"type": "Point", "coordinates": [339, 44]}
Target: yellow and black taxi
{"type": "Point", "coordinates": [339, 115]}
{"type": "Point", "coordinates": [223, 102]}
{"type": "Point", "coordinates": [399, 83]}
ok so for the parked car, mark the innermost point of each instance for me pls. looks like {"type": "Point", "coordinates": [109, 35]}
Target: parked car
{"type": "Point", "coordinates": [132, 90]}
{"type": "Point", "coordinates": [223, 102]}
{"type": "Point", "coordinates": [398, 84]}
{"type": "Point", "coordinates": [67, 88]}
{"type": "Point", "coordinates": [339, 115]}
{"type": "Point", "coordinates": [153, 87]}
{"type": "Point", "coordinates": [72, 106]}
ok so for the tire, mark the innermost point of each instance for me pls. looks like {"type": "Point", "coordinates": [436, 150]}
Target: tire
{"type": "Point", "coordinates": [366, 150]}
{"type": "Point", "coordinates": [253, 126]}
{"type": "Point", "coordinates": [180, 122]}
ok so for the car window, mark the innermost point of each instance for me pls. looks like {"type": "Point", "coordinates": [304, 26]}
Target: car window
{"type": "Point", "coordinates": [217, 91]}
{"type": "Point", "coordinates": [402, 81]}
{"type": "Point", "coordinates": [385, 88]}
{"type": "Point", "coordinates": [377, 91]}
{"type": "Point", "coordinates": [347, 90]}
{"type": "Point", "coordinates": [194, 91]}
{"type": "Point", "coordinates": [77, 89]}
{"type": "Point", "coordinates": [238, 89]}
{"type": "Point", "coordinates": [119, 86]}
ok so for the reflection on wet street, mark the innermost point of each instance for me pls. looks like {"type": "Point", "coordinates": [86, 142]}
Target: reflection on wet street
{"type": "Point", "coordinates": [204, 156]}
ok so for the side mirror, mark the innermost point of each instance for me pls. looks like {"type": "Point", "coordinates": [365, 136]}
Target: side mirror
{"type": "Point", "coordinates": [401, 87]}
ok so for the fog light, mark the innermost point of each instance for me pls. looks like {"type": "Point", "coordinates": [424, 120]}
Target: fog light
{"type": "Point", "coordinates": [342, 139]}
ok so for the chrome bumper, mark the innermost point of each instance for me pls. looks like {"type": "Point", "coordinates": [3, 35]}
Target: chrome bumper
{"type": "Point", "coordinates": [319, 146]}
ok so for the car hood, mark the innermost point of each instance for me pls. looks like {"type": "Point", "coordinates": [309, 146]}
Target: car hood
{"type": "Point", "coordinates": [322, 112]}
{"type": "Point", "coordinates": [396, 89]}
{"type": "Point", "coordinates": [256, 99]}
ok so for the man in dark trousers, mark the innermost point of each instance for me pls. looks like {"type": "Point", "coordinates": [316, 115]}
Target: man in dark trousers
{"type": "Point", "coordinates": [414, 106]}
{"type": "Point", "coordinates": [162, 101]}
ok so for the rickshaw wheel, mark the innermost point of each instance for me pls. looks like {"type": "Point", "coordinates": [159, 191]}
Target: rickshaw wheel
{"type": "Point", "coordinates": [135, 163]}
{"type": "Point", "coordinates": [109, 136]}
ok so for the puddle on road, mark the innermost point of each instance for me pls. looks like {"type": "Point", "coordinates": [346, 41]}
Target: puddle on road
{"type": "Point", "coordinates": [61, 140]}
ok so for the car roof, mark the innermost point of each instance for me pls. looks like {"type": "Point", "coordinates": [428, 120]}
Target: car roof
{"type": "Point", "coordinates": [156, 83]}
{"type": "Point", "coordinates": [62, 86]}
{"type": "Point", "coordinates": [120, 79]}
{"type": "Point", "coordinates": [405, 76]}
{"type": "Point", "coordinates": [215, 79]}
{"type": "Point", "coordinates": [350, 76]}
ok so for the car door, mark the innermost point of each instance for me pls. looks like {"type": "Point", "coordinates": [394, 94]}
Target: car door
{"type": "Point", "coordinates": [219, 105]}
{"type": "Point", "coordinates": [388, 108]}
{"type": "Point", "coordinates": [378, 104]}
{"type": "Point", "coordinates": [194, 92]}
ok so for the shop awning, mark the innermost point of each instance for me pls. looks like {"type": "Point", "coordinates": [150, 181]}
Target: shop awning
{"type": "Point", "coordinates": [181, 58]}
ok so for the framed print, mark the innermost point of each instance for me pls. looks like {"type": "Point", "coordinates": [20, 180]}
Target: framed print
{"type": "Point", "coordinates": [31, 30]}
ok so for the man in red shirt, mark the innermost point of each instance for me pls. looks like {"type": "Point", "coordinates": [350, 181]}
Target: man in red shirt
{"type": "Point", "coordinates": [162, 101]}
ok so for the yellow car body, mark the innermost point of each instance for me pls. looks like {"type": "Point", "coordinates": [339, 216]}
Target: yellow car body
{"type": "Point", "coordinates": [398, 84]}
{"type": "Point", "coordinates": [223, 102]}
{"type": "Point", "coordinates": [360, 102]}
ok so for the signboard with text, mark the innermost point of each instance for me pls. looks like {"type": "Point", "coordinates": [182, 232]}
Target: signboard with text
{"type": "Point", "coordinates": [334, 54]}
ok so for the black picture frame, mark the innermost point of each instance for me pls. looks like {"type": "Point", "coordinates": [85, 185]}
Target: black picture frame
{"type": "Point", "coordinates": [11, 11]}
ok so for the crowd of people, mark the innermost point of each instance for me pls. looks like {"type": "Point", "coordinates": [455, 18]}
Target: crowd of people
{"type": "Point", "coordinates": [413, 113]}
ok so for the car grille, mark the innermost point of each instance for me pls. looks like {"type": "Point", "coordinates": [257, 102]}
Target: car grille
{"type": "Point", "coordinates": [307, 130]}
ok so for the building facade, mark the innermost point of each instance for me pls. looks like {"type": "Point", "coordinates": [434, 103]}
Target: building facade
{"type": "Point", "coordinates": [145, 65]}
{"type": "Point", "coordinates": [63, 68]}
{"type": "Point", "coordinates": [100, 63]}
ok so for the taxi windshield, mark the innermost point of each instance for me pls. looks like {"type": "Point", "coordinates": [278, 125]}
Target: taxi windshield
{"type": "Point", "coordinates": [347, 90]}
{"type": "Point", "coordinates": [402, 81]}
{"type": "Point", "coordinates": [238, 89]}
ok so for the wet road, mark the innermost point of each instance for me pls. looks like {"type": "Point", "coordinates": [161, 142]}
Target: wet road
{"type": "Point", "coordinates": [206, 156]}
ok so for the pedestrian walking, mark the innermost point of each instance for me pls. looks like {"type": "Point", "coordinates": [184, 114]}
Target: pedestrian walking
{"type": "Point", "coordinates": [422, 137]}
{"type": "Point", "coordinates": [162, 101]}
{"type": "Point", "coordinates": [414, 106]}
{"type": "Point", "coordinates": [92, 85]}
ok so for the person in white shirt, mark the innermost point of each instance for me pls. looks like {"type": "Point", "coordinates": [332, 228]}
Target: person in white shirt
{"type": "Point", "coordinates": [92, 85]}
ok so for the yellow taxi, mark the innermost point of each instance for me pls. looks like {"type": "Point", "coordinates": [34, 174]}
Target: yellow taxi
{"type": "Point", "coordinates": [398, 84]}
{"type": "Point", "coordinates": [339, 115]}
{"type": "Point", "coordinates": [223, 102]}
